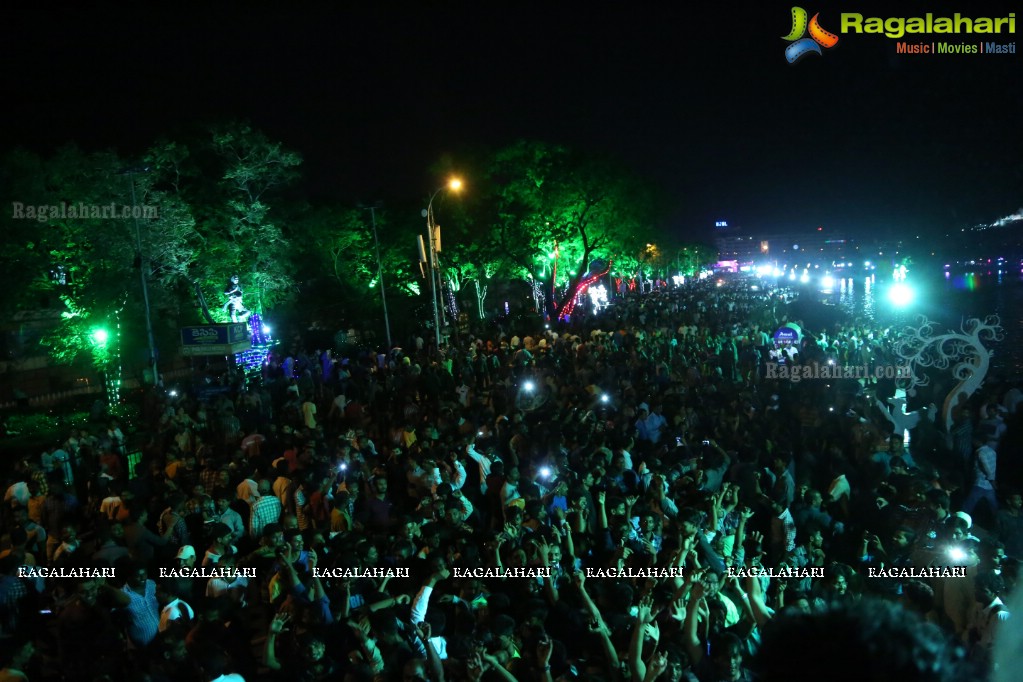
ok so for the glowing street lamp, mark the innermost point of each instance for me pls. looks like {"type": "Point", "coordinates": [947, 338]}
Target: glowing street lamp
{"type": "Point", "coordinates": [100, 336]}
{"type": "Point", "coordinates": [433, 231]}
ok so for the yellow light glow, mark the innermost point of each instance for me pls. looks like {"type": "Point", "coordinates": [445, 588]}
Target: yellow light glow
{"type": "Point", "coordinates": [455, 184]}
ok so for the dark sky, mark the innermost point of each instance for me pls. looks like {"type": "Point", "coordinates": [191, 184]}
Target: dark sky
{"type": "Point", "coordinates": [700, 102]}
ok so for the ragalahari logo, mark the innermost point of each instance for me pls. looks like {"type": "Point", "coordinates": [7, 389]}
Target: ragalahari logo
{"type": "Point", "coordinates": [802, 46]}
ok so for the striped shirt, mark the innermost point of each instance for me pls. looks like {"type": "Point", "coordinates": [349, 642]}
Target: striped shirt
{"type": "Point", "coordinates": [145, 614]}
{"type": "Point", "coordinates": [266, 509]}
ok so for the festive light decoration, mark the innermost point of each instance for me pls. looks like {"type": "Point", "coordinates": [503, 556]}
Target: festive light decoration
{"type": "Point", "coordinates": [566, 312]}
{"type": "Point", "coordinates": [254, 359]}
{"type": "Point", "coordinates": [554, 276]}
{"type": "Point", "coordinates": [452, 303]}
{"type": "Point", "coordinates": [539, 299]}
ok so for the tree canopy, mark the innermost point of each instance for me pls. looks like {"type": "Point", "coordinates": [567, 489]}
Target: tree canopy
{"type": "Point", "coordinates": [228, 202]}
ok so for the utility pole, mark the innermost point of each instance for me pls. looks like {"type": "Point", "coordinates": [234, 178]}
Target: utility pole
{"type": "Point", "coordinates": [380, 274]}
{"type": "Point", "coordinates": [143, 268]}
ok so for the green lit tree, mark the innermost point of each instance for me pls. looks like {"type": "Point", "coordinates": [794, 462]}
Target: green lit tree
{"type": "Point", "coordinates": [230, 183]}
{"type": "Point", "coordinates": [690, 258]}
{"type": "Point", "coordinates": [581, 212]}
{"type": "Point", "coordinates": [79, 256]}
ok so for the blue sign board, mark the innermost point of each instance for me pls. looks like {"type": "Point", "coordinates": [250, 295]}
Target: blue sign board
{"type": "Point", "coordinates": [215, 339]}
{"type": "Point", "coordinates": [787, 335]}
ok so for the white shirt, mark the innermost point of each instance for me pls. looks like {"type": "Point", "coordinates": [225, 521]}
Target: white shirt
{"type": "Point", "coordinates": [18, 493]}
{"type": "Point", "coordinates": [985, 467]}
{"type": "Point", "coordinates": [109, 506]}
{"type": "Point", "coordinates": [458, 477]}
{"type": "Point", "coordinates": [221, 586]}
{"type": "Point", "coordinates": [175, 610]}
{"type": "Point", "coordinates": [484, 463]}
{"type": "Point", "coordinates": [839, 488]}
{"type": "Point", "coordinates": [984, 621]}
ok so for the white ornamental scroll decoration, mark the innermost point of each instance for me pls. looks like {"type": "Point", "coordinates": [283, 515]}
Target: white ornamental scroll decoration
{"type": "Point", "coordinates": [963, 352]}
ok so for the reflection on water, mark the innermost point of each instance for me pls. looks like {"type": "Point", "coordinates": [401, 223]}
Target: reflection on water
{"type": "Point", "coordinates": [947, 299]}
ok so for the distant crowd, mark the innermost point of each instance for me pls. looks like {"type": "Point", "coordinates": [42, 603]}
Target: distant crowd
{"type": "Point", "coordinates": [627, 496]}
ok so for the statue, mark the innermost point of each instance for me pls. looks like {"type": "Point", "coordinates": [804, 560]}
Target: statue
{"type": "Point", "coordinates": [920, 348]}
{"type": "Point", "coordinates": [234, 306]}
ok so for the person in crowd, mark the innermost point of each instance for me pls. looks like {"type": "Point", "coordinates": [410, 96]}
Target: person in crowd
{"type": "Point", "coordinates": [656, 441]}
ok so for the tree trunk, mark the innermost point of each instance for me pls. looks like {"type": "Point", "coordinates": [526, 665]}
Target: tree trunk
{"type": "Point", "coordinates": [481, 297]}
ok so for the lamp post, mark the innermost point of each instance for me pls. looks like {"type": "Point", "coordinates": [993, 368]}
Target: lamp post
{"type": "Point", "coordinates": [143, 266]}
{"type": "Point", "coordinates": [380, 273]}
{"type": "Point", "coordinates": [433, 234]}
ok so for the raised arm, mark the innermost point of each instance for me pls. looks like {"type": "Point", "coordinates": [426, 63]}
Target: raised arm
{"type": "Point", "coordinates": [644, 616]}
{"type": "Point", "coordinates": [276, 627]}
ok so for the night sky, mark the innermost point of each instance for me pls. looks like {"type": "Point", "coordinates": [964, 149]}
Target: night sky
{"type": "Point", "coordinates": [701, 103]}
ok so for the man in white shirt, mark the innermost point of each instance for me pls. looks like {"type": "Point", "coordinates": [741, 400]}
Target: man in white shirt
{"type": "Point", "coordinates": [175, 610]}
{"type": "Point", "coordinates": [984, 469]}
{"type": "Point", "coordinates": [988, 613]}
{"type": "Point", "coordinates": [484, 462]}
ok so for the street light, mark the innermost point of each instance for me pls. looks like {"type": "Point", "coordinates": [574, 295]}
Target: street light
{"type": "Point", "coordinates": [433, 234]}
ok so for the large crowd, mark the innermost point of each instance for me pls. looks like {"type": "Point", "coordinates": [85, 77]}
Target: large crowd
{"type": "Point", "coordinates": [623, 497]}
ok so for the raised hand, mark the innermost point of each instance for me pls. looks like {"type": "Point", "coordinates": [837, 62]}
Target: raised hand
{"type": "Point", "coordinates": [644, 612]}
{"type": "Point", "coordinates": [543, 650]}
{"type": "Point", "coordinates": [279, 623]}
{"type": "Point", "coordinates": [678, 610]}
{"type": "Point", "coordinates": [474, 666]}
{"type": "Point", "coordinates": [656, 666]}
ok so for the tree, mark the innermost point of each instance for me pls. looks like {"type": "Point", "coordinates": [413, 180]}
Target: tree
{"type": "Point", "coordinates": [85, 251]}
{"type": "Point", "coordinates": [80, 252]}
{"type": "Point", "coordinates": [237, 214]}
{"type": "Point", "coordinates": [585, 212]}
{"type": "Point", "coordinates": [692, 257]}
